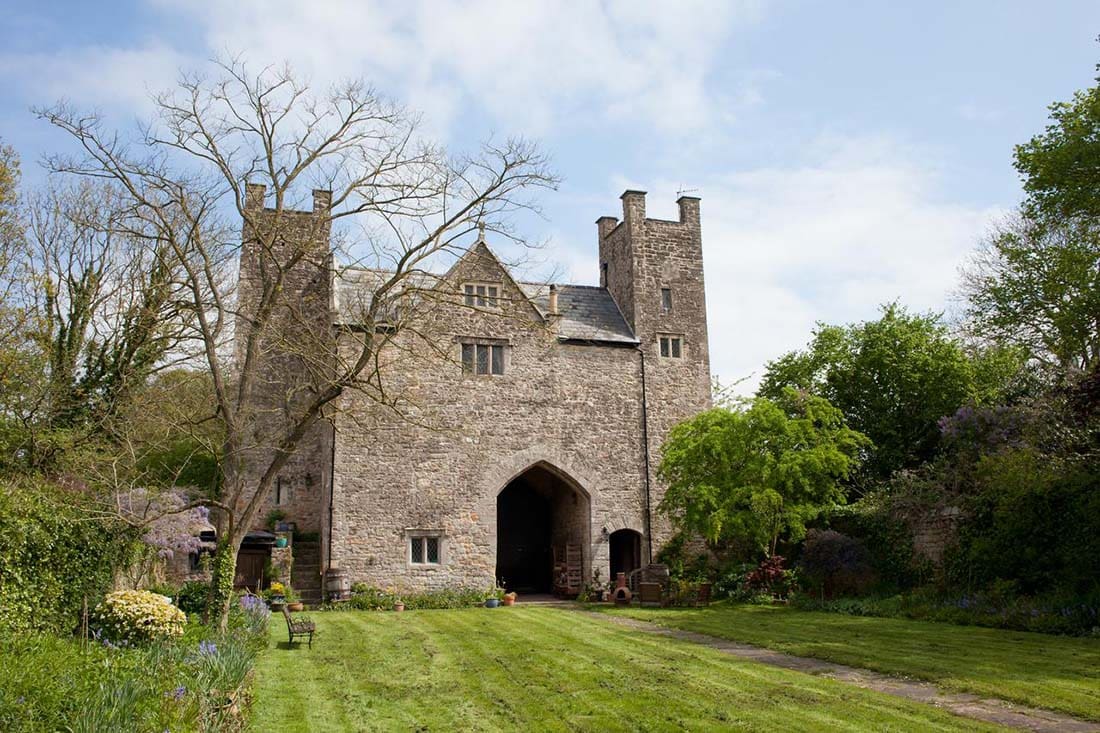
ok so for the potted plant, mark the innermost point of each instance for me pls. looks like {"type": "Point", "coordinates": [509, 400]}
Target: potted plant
{"type": "Point", "coordinates": [292, 602]}
{"type": "Point", "coordinates": [276, 596]}
{"type": "Point", "coordinates": [494, 597]}
{"type": "Point", "coordinates": [274, 517]}
{"type": "Point", "coordinates": [510, 599]}
{"type": "Point", "coordinates": [398, 605]}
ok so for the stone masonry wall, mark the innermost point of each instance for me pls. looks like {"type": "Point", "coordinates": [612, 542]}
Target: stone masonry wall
{"type": "Point", "coordinates": [662, 254]}
{"type": "Point", "coordinates": [292, 356]}
{"type": "Point", "coordinates": [575, 408]}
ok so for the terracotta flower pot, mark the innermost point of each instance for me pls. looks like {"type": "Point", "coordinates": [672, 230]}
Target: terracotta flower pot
{"type": "Point", "coordinates": [296, 606]}
{"type": "Point", "coordinates": [399, 607]}
{"type": "Point", "coordinates": [509, 601]}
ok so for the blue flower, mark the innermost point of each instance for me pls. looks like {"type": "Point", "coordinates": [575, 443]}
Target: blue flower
{"type": "Point", "coordinates": [208, 648]}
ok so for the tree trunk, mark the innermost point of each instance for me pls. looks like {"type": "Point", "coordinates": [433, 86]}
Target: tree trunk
{"type": "Point", "coordinates": [221, 581]}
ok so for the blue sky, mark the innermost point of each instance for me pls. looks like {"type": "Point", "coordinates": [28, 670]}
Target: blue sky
{"type": "Point", "coordinates": [847, 154]}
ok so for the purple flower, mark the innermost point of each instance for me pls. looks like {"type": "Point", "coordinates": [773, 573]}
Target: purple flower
{"type": "Point", "coordinates": [208, 648]}
{"type": "Point", "coordinates": [178, 693]}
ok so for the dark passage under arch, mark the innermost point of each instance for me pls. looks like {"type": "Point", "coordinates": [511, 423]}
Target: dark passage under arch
{"type": "Point", "coordinates": [625, 548]}
{"type": "Point", "coordinates": [536, 512]}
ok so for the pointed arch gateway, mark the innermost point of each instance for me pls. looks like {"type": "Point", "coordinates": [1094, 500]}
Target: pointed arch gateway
{"type": "Point", "coordinates": [543, 530]}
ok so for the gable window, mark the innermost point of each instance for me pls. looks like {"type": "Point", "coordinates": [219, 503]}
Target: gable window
{"type": "Point", "coordinates": [672, 347]}
{"type": "Point", "coordinates": [666, 300]}
{"type": "Point", "coordinates": [483, 358]}
{"type": "Point", "coordinates": [481, 295]}
{"type": "Point", "coordinates": [425, 547]}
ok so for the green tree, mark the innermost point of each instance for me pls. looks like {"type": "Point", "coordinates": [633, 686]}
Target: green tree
{"type": "Point", "coordinates": [1060, 167]}
{"type": "Point", "coordinates": [1037, 288]}
{"type": "Point", "coordinates": [892, 378]}
{"type": "Point", "coordinates": [751, 473]}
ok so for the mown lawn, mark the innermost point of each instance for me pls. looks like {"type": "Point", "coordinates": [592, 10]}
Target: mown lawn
{"type": "Point", "coordinates": [1053, 672]}
{"type": "Point", "coordinates": [526, 668]}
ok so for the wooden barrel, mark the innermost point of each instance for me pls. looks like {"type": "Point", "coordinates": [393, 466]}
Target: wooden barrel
{"type": "Point", "coordinates": [337, 585]}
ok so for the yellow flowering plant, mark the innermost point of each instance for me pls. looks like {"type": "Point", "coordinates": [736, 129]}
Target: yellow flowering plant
{"type": "Point", "coordinates": [138, 615]}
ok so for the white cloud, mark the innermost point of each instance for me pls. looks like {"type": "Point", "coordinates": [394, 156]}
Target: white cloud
{"type": "Point", "coordinates": [98, 76]}
{"type": "Point", "coordinates": [529, 66]}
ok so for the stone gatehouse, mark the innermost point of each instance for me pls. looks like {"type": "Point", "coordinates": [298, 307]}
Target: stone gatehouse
{"type": "Point", "coordinates": [536, 430]}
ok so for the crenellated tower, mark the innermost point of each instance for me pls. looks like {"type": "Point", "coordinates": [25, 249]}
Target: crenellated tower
{"type": "Point", "coordinates": [653, 269]}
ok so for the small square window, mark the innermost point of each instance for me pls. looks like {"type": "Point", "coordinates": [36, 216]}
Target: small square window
{"type": "Point", "coordinates": [666, 300]}
{"type": "Point", "coordinates": [671, 346]}
{"type": "Point", "coordinates": [483, 359]}
{"type": "Point", "coordinates": [426, 549]}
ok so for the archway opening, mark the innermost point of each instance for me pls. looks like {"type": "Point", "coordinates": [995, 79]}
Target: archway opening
{"type": "Point", "coordinates": [542, 531]}
{"type": "Point", "coordinates": [625, 549]}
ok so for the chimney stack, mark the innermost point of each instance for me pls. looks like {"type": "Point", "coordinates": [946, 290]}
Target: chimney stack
{"type": "Point", "coordinates": [553, 310]}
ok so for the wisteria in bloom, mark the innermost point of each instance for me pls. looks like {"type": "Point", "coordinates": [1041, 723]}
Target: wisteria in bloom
{"type": "Point", "coordinates": [986, 429]}
{"type": "Point", "coordinates": [167, 533]}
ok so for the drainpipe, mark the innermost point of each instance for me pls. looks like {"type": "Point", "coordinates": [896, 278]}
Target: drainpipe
{"type": "Point", "coordinates": [645, 448]}
{"type": "Point", "coordinates": [331, 500]}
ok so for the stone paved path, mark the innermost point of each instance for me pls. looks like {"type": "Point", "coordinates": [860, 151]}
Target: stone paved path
{"type": "Point", "coordinates": [990, 710]}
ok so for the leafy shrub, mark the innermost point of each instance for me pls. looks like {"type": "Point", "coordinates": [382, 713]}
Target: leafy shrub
{"type": "Point", "coordinates": [134, 616]}
{"type": "Point", "coordinates": [368, 598]}
{"type": "Point", "coordinates": [193, 596]}
{"type": "Point", "coordinates": [770, 576]}
{"type": "Point", "coordinates": [732, 584]}
{"type": "Point", "coordinates": [1035, 522]}
{"type": "Point", "coordinates": [887, 539]}
{"type": "Point", "coordinates": [998, 608]}
{"type": "Point", "coordinates": [683, 560]}
{"type": "Point", "coordinates": [54, 556]}
{"type": "Point", "coordinates": [197, 681]}
{"type": "Point", "coordinates": [836, 564]}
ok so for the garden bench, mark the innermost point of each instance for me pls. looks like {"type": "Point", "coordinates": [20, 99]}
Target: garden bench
{"type": "Point", "coordinates": [298, 628]}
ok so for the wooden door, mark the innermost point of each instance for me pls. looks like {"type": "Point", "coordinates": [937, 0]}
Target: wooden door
{"type": "Point", "coordinates": [250, 568]}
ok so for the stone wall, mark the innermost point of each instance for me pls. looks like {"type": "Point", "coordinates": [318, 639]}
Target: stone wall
{"type": "Point", "coordinates": [643, 256]}
{"type": "Point", "coordinates": [431, 447]}
{"type": "Point", "coordinates": [575, 408]}
{"type": "Point", "coordinates": [292, 357]}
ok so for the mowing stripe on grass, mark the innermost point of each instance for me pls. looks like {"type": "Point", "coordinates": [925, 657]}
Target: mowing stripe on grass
{"type": "Point", "coordinates": [988, 709]}
{"type": "Point", "coordinates": [545, 669]}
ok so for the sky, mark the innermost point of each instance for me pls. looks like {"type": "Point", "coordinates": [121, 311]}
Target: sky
{"type": "Point", "coordinates": [847, 154]}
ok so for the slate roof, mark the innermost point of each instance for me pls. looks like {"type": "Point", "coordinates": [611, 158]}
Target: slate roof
{"type": "Point", "coordinates": [587, 312]}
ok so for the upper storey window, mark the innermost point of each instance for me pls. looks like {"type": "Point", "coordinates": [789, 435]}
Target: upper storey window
{"type": "Point", "coordinates": [672, 347]}
{"type": "Point", "coordinates": [481, 295]}
{"type": "Point", "coordinates": [666, 300]}
{"type": "Point", "coordinates": [483, 358]}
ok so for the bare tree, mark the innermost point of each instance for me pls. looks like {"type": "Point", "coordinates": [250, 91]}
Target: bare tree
{"type": "Point", "coordinates": [1036, 286]}
{"type": "Point", "coordinates": [223, 147]}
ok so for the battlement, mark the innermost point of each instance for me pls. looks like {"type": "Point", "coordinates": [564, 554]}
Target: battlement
{"type": "Point", "coordinates": [634, 213]}
{"type": "Point", "coordinates": [255, 193]}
